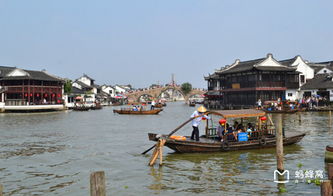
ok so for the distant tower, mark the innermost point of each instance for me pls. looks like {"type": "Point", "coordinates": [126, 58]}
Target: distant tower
{"type": "Point", "coordinates": [173, 83]}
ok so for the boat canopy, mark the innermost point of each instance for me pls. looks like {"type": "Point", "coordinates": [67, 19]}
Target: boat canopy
{"type": "Point", "coordinates": [237, 113]}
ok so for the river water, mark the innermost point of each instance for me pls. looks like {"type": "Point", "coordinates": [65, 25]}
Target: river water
{"type": "Point", "coordinates": [54, 154]}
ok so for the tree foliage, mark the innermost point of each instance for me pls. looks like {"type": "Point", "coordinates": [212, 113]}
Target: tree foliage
{"type": "Point", "coordinates": [186, 88]}
{"type": "Point", "coordinates": [68, 86]}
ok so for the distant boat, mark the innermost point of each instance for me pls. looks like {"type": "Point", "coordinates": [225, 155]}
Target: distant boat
{"type": "Point", "coordinates": [96, 107]}
{"type": "Point", "coordinates": [81, 108]}
{"type": "Point", "coordinates": [143, 112]}
{"type": "Point", "coordinates": [192, 104]}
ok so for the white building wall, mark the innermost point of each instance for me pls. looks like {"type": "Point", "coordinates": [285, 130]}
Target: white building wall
{"type": "Point", "coordinates": [77, 85]}
{"type": "Point", "coordinates": [107, 90]}
{"type": "Point", "coordinates": [85, 80]}
{"type": "Point", "coordinates": [120, 90]}
{"type": "Point", "coordinates": [324, 70]}
{"type": "Point", "coordinates": [302, 67]}
{"type": "Point", "coordinates": [291, 94]}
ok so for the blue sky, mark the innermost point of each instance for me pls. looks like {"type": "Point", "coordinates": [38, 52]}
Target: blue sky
{"type": "Point", "coordinates": [142, 42]}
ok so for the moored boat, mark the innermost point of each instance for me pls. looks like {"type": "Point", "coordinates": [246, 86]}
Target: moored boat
{"type": "Point", "coordinates": [81, 108]}
{"type": "Point", "coordinates": [262, 137]}
{"type": "Point", "coordinates": [192, 104]}
{"type": "Point", "coordinates": [142, 112]}
{"type": "Point", "coordinates": [282, 111]}
{"type": "Point", "coordinates": [97, 106]}
{"type": "Point", "coordinates": [158, 105]}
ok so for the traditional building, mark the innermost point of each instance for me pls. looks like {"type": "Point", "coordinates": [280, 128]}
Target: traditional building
{"type": "Point", "coordinates": [29, 90]}
{"type": "Point", "coordinates": [244, 82]}
{"type": "Point", "coordinates": [321, 85]}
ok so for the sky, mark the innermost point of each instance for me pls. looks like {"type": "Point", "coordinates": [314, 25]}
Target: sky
{"type": "Point", "coordinates": [141, 42]}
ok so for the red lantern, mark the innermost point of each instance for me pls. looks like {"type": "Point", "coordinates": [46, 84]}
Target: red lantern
{"type": "Point", "coordinates": [222, 121]}
{"type": "Point", "coordinates": [203, 118]}
{"type": "Point", "coordinates": [45, 95]}
{"type": "Point", "coordinates": [263, 118]}
{"type": "Point", "coordinates": [58, 101]}
{"type": "Point", "coordinates": [30, 94]}
{"type": "Point", "coordinates": [59, 95]}
{"type": "Point", "coordinates": [26, 94]}
{"type": "Point", "coordinates": [53, 95]}
{"type": "Point", "coordinates": [37, 94]}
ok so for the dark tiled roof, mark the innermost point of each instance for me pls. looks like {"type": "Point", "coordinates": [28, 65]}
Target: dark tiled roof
{"type": "Point", "coordinates": [82, 84]}
{"type": "Point", "coordinates": [288, 62]}
{"type": "Point", "coordinates": [329, 63]}
{"type": "Point", "coordinates": [271, 68]}
{"type": "Point", "coordinates": [96, 86]}
{"type": "Point", "coordinates": [35, 75]}
{"type": "Point", "coordinates": [85, 75]}
{"type": "Point", "coordinates": [4, 70]}
{"type": "Point", "coordinates": [242, 66]}
{"type": "Point", "coordinates": [319, 81]}
{"type": "Point", "coordinates": [317, 66]}
{"type": "Point", "coordinates": [250, 65]}
{"type": "Point", "coordinates": [212, 76]}
{"type": "Point", "coordinates": [77, 90]}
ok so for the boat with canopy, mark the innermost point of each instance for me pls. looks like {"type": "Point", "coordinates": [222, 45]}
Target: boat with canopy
{"type": "Point", "coordinates": [262, 136]}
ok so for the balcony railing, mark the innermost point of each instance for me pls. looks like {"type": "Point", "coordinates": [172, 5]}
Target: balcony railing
{"type": "Point", "coordinates": [270, 84]}
{"type": "Point", "coordinates": [20, 102]}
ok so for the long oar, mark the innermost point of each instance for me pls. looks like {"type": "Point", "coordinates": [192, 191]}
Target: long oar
{"type": "Point", "coordinates": [174, 131]}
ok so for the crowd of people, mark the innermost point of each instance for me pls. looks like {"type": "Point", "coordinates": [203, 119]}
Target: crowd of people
{"type": "Point", "coordinates": [137, 108]}
{"type": "Point", "coordinates": [237, 132]}
{"type": "Point", "coordinates": [309, 102]}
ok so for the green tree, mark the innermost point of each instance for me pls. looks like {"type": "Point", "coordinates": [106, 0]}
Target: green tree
{"type": "Point", "coordinates": [68, 86]}
{"type": "Point", "coordinates": [186, 88]}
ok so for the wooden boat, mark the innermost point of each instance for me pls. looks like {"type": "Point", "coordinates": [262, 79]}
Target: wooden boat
{"type": "Point", "coordinates": [263, 138]}
{"type": "Point", "coordinates": [143, 112]}
{"type": "Point", "coordinates": [81, 108]}
{"type": "Point", "coordinates": [192, 104]}
{"type": "Point", "coordinates": [159, 105]}
{"type": "Point", "coordinates": [281, 111]}
{"type": "Point", "coordinates": [96, 107]}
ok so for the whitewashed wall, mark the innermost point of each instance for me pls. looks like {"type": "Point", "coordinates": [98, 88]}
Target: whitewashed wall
{"type": "Point", "coordinates": [294, 95]}
{"type": "Point", "coordinates": [85, 80]}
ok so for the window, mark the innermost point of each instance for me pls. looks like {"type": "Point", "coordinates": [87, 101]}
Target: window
{"type": "Point", "coordinates": [302, 79]}
{"type": "Point", "coordinates": [290, 94]}
{"type": "Point", "coordinates": [325, 71]}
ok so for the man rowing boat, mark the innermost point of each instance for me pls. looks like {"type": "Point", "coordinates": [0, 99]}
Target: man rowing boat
{"type": "Point", "coordinates": [196, 121]}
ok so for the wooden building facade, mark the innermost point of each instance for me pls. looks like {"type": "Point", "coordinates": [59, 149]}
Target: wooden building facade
{"type": "Point", "coordinates": [243, 83]}
{"type": "Point", "coordinates": [26, 87]}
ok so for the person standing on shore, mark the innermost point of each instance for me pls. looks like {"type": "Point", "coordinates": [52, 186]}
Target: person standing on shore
{"type": "Point", "coordinates": [198, 116]}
